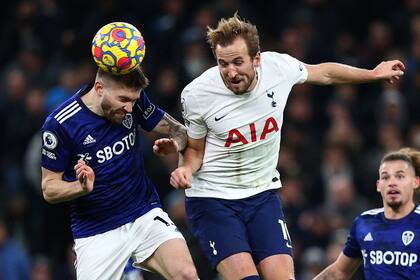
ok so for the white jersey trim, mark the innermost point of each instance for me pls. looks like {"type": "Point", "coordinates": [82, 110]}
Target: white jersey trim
{"type": "Point", "coordinates": [68, 111]}
{"type": "Point", "coordinates": [373, 211]}
{"type": "Point", "coordinates": [417, 210]}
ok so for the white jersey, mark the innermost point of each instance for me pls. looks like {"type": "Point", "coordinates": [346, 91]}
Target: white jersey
{"type": "Point", "coordinates": [242, 131]}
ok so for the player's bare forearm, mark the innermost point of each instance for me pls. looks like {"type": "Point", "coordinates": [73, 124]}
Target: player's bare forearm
{"type": "Point", "coordinates": [190, 162]}
{"type": "Point", "coordinates": [193, 155]}
{"type": "Point", "coordinates": [330, 274]}
{"type": "Point", "coordinates": [336, 73]}
{"type": "Point", "coordinates": [170, 126]}
{"type": "Point", "coordinates": [56, 190]}
{"type": "Point", "coordinates": [342, 269]}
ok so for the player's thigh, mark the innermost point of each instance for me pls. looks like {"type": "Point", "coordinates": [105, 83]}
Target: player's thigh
{"type": "Point", "coordinates": [161, 247]}
{"type": "Point", "coordinates": [172, 260]}
{"type": "Point", "coordinates": [237, 266]}
{"type": "Point", "coordinates": [267, 229]}
{"type": "Point", "coordinates": [269, 267]}
{"type": "Point", "coordinates": [218, 228]}
{"type": "Point", "coordinates": [102, 256]}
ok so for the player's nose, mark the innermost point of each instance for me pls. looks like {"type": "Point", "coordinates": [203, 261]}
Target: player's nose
{"type": "Point", "coordinates": [392, 182]}
{"type": "Point", "coordinates": [232, 72]}
{"type": "Point", "coordinates": [128, 107]}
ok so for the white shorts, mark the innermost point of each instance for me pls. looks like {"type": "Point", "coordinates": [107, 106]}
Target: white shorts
{"type": "Point", "coordinates": [104, 256]}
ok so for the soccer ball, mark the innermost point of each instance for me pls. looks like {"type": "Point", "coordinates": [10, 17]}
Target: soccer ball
{"type": "Point", "coordinates": [118, 48]}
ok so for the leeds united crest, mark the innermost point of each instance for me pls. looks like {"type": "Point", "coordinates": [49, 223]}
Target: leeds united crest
{"type": "Point", "coordinates": [407, 236]}
{"type": "Point", "coordinates": [128, 120]}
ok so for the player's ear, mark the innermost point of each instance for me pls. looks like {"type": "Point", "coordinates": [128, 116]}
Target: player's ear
{"type": "Point", "coordinates": [417, 180]}
{"type": "Point", "coordinates": [256, 60]}
{"type": "Point", "coordinates": [99, 87]}
{"type": "Point", "coordinates": [378, 189]}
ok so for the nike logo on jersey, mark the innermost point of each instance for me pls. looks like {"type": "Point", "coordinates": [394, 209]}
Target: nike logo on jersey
{"type": "Point", "coordinates": [300, 67]}
{"type": "Point", "coordinates": [218, 119]}
{"type": "Point", "coordinates": [368, 237]}
{"type": "Point", "coordinates": [89, 140]}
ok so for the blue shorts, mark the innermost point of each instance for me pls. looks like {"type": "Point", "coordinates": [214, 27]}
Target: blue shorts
{"type": "Point", "coordinates": [226, 227]}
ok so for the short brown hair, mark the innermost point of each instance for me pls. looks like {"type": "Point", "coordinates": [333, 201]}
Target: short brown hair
{"type": "Point", "coordinates": [228, 30]}
{"type": "Point", "coordinates": [409, 155]}
{"type": "Point", "coordinates": [415, 157]}
{"type": "Point", "coordinates": [412, 157]}
{"type": "Point", "coordinates": [133, 80]}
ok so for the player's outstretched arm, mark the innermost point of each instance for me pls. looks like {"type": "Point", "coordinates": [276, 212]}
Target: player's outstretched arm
{"type": "Point", "coordinates": [56, 190]}
{"type": "Point", "coordinates": [170, 126]}
{"type": "Point", "coordinates": [336, 73]}
{"type": "Point", "coordinates": [192, 158]}
{"type": "Point", "coordinates": [343, 268]}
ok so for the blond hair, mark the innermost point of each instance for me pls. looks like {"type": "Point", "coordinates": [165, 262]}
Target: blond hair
{"type": "Point", "coordinates": [228, 30]}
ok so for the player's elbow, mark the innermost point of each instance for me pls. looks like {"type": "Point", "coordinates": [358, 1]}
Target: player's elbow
{"type": "Point", "coordinates": [47, 194]}
{"type": "Point", "coordinates": [322, 80]}
{"type": "Point", "coordinates": [327, 80]}
{"type": "Point", "coordinates": [48, 198]}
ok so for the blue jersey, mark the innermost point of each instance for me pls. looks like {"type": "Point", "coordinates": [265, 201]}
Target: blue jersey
{"type": "Point", "coordinates": [390, 248]}
{"type": "Point", "coordinates": [122, 192]}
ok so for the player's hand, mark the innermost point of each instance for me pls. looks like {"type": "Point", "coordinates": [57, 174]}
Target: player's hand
{"type": "Point", "coordinates": [85, 175]}
{"type": "Point", "coordinates": [389, 70]}
{"type": "Point", "coordinates": [181, 178]}
{"type": "Point", "coordinates": [165, 146]}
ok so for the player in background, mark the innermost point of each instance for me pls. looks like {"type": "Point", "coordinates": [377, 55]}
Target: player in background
{"type": "Point", "coordinates": [234, 113]}
{"type": "Point", "coordinates": [91, 159]}
{"type": "Point", "coordinates": [386, 240]}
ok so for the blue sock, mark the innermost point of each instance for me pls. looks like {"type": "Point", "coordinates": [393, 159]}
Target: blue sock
{"type": "Point", "coordinates": [252, 277]}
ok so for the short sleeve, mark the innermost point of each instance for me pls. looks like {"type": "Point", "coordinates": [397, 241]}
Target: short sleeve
{"type": "Point", "coordinates": [352, 248]}
{"type": "Point", "coordinates": [149, 113]}
{"type": "Point", "coordinates": [295, 69]}
{"type": "Point", "coordinates": [196, 126]}
{"type": "Point", "coordinates": [55, 146]}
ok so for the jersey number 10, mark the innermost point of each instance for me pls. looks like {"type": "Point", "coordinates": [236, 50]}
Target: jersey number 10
{"type": "Point", "coordinates": [286, 235]}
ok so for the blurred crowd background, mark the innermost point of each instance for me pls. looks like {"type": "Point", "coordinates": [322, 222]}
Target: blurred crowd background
{"type": "Point", "coordinates": [332, 137]}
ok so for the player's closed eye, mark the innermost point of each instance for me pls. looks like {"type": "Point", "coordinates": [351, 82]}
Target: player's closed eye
{"type": "Point", "coordinates": [223, 64]}
{"type": "Point", "coordinates": [384, 177]}
{"type": "Point", "coordinates": [126, 100]}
